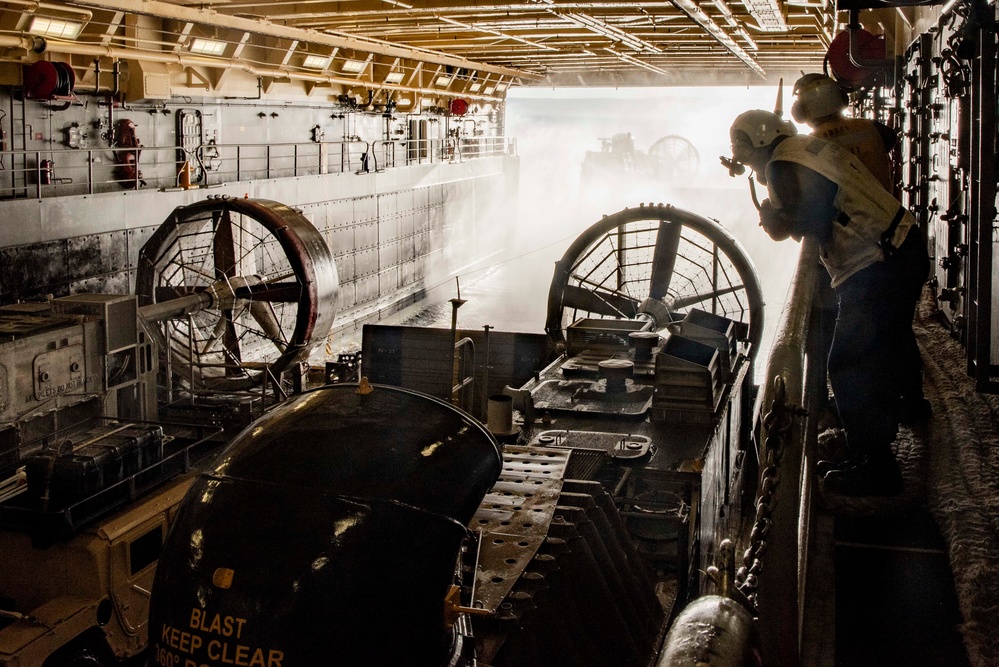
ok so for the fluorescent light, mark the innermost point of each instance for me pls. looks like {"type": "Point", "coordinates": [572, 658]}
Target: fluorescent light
{"type": "Point", "coordinates": [59, 28]}
{"type": "Point", "coordinates": [489, 90]}
{"type": "Point", "coordinates": [353, 66]}
{"type": "Point", "coordinates": [208, 47]}
{"type": "Point", "coordinates": [443, 80]}
{"type": "Point", "coordinates": [501, 87]}
{"type": "Point", "coordinates": [475, 87]}
{"type": "Point", "coordinates": [316, 62]}
{"type": "Point", "coordinates": [394, 77]}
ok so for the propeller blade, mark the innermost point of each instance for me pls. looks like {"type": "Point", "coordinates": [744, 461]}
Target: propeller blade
{"type": "Point", "coordinates": [664, 258]}
{"type": "Point", "coordinates": [273, 292]}
{"type": "Point", "coordinates": [263, 313]}
{"type": "Point", "coordinates": [599, 301]}
{"type": "Point", "coordinates": [223, 245]}
{"type": "Point", "coordinates": [684, 301]}
{"type": "Point", "coordinates": [216, 336]}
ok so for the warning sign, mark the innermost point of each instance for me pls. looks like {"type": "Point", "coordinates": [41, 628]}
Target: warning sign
{"type": "Point", "coordinates": [211, 640]}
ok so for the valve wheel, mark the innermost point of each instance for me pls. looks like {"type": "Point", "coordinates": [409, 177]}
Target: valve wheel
{"type": "Point", "coordinates": [239, 287]}
{"type": "Point", "coordinates": [655, 263]}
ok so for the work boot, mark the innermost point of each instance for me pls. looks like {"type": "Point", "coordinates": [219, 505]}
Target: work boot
{"type": "Point", "coordinates": [872, 477]}
{"type": "Point", "coordinates": [833, 445]}
{"type": "Point", "coordinates": [913, 411]}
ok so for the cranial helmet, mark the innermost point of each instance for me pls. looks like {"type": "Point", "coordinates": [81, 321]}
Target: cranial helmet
{"type": "Point", "coordinates": [817, 96]}
{"type": "Point", "coordinates": [756, 129]}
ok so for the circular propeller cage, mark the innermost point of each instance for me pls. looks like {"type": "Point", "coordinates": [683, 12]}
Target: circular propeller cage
{"type": "Point", "coordinates": [674, 157]}
{"type": "Point", "coordinates": [655, 263]}
{"type": "Point", "coordinates": [241, 289]}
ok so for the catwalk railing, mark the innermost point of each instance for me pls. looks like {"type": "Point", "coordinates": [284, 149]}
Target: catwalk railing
{"type": "Point", "coordinates": [39, 174]}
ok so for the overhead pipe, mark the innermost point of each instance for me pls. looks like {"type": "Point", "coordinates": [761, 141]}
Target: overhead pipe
{"type": "Point", "coordinates": [260, 91]}
{"type": "Point", "coordinates": [39, 45]}
{"type": "Point", "coordinates": [85, 14]}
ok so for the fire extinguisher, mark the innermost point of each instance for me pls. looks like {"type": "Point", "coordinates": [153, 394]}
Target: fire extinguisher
{"type": "Point", "coordinates": [45, 172]}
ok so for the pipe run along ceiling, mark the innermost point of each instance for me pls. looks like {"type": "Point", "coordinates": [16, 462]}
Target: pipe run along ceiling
{"type": "Point", "coordinates": [449, 47]}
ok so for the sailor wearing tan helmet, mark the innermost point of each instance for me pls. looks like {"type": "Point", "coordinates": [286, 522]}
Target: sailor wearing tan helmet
{"type": "Point", "coordinates": [877, 261]}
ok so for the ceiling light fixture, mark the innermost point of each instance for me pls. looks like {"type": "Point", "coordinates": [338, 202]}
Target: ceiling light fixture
{"type": "Point", "coordinates": [768, 15]}
{"type": "Point", "coordinates": [57, 28]}
{"type": "Point", "coordinates": [353, 66]}
{"type": "Point", "coordinates": [207, 47]}
{"type": "Point", "coordinates": [316, 62]}
{"type": "Point", "coordinates": [394, 77]}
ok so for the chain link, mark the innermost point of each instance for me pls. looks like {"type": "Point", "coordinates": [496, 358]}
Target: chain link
{"type": "Point", "coordinates": [777, 422]}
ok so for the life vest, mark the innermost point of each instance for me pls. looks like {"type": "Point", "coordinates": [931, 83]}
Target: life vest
{"type": "Point", "coordinates": [860, 137]}
{"type": "Point", "coordinates": [871, 222]}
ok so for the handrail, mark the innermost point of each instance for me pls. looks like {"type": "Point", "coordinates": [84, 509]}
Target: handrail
{"type": "Point", "coordinates": [465, 377]}
{"type": "Point", "coordinates": [54, 172]}
{"type": "Point", "coordinates": [778, 591]}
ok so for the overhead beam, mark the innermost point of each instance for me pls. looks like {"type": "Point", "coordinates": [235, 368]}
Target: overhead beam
{"type": "Point", "coordinates": [694, 11]}
{"type": "Point", "coordinates": [166, 10]}
{"type": "Point", "coordinates": [609, 31]}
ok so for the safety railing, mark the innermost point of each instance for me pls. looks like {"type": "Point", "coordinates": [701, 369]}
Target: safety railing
{"type": "Point", "coordinates": [225, 163]}
{"type": "Point", "coordinates": [786, 414]}
{"type": "Point", "coordinates": [39, 174]}
{"type": "Point", "coordinates": [389, 154]}
{"type": "Point", "coordinates": [786, 428]}
{"type": "Point", "coordinates": [464, 379]}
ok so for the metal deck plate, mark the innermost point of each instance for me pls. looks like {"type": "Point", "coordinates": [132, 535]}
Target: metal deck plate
{"type": "Point", "coordinates": [514, 517]}
{"type": "Point", "coordinates": [592, 397]}
{"type": "Point", "coordinates": [617, 445]}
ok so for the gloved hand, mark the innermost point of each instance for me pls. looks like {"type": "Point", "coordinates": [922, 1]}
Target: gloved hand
{"type": "Point", "coordinates": [774, 223]}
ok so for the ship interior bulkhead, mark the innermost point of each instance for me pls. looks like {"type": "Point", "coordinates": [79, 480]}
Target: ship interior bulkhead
{"type": "Point", "coordinates": [231, 436]}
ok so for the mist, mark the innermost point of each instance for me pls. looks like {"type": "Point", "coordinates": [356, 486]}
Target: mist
{"type": "Point", "coordinates": [554, 129]}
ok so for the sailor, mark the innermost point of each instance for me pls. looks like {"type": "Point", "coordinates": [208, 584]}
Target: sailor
{"type": "Point", "coordinates": [877, 261]}
{"type": "Point", "coordinates": [820, 102]}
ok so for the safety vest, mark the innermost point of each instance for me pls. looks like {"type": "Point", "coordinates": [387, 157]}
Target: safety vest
{"type": "Point", "coordinates": [871, 222]}
{"type": "Point", "coordinates": [860, 137]}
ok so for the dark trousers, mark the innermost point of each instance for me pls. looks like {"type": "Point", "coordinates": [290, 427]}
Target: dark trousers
{"type": "Point", "coordinates": [874, 358]}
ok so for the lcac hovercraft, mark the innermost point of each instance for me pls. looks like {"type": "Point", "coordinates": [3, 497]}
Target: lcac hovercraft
{"type": "Point", "coordinates": [365, 524]}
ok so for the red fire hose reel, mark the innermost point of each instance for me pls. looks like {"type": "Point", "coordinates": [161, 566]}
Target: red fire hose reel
{"type": "Point", "coordinates": [45, 80]}
{"type": "Point", "coordinates": [867, 48]}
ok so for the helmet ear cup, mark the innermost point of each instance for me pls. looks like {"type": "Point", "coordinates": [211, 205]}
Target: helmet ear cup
{"type": "Point", "coordinates": [798, 112]}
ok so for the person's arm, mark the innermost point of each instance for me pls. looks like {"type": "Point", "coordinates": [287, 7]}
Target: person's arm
{"type": "Point", "coordinates": [806, 203]}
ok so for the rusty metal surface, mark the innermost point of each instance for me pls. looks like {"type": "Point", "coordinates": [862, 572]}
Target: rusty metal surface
{"type": "Point", "coordinates": [193, 254]}
{"type": "Point", "coordinates": [592, 397]}
{"type": "Point", "coordinates": [618, 445]}
{"type": "Point", "coordinates": [514, 518]}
